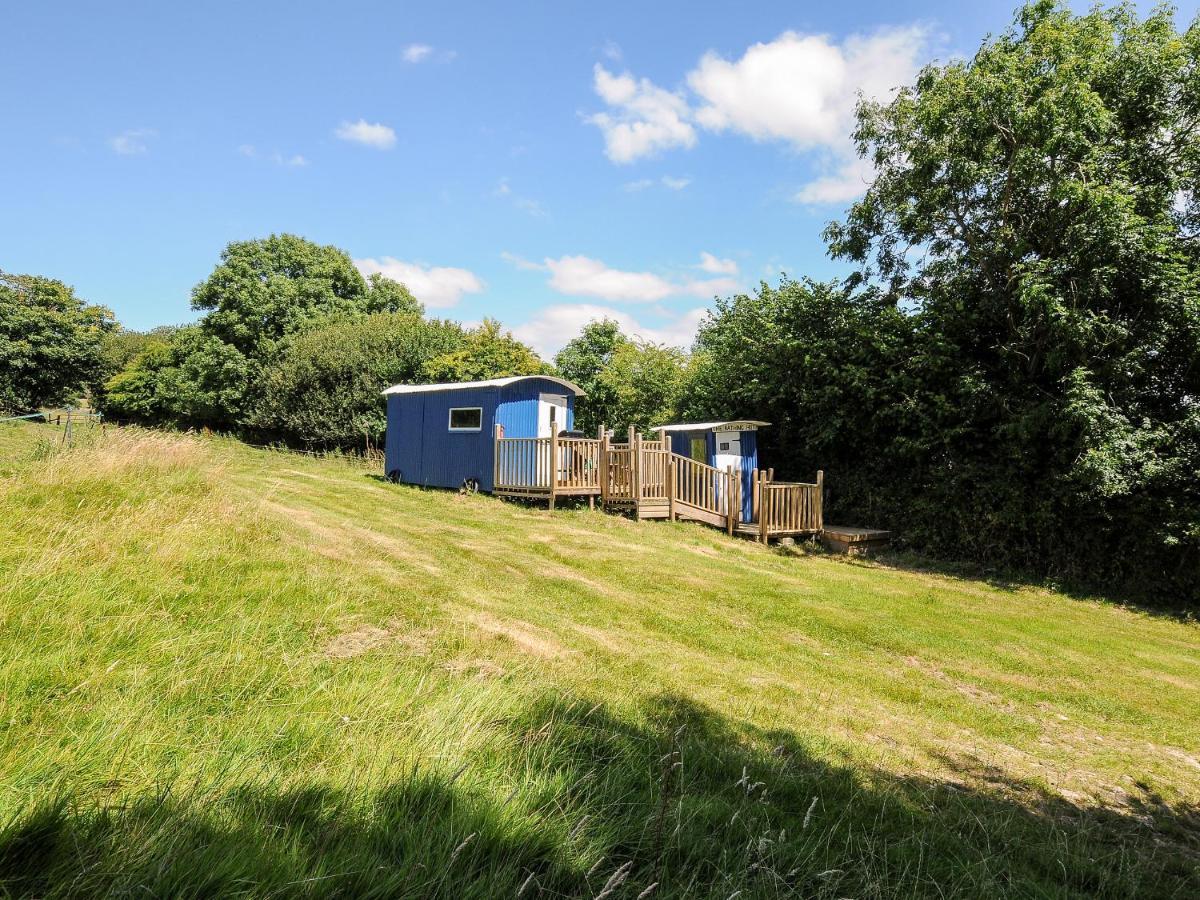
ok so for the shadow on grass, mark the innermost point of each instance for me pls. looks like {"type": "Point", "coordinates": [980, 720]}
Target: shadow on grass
{"type": "Point", "coordinates": [673, 794]}
{"type": "Point", "coordinates": [907, 561]}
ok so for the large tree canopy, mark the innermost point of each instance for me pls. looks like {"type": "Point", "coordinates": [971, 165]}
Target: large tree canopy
{"type": "Point", "coordinates": [266, 288]}
{"type": "Point", "coordinates": [1012, 375]}
{"type": "Point", "coordinates": [50, 343]}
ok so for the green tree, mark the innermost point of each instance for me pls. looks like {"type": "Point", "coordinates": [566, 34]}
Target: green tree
{"type": "Point", "coordinates": [1036, 209]}
{"type": "Point", "coordinates": [385, 295]}
{"type": "Point", "coordinates": [825, 366]}
{"type": "Point", "coordinates": [645, 382]}
{"type": "Point", "coordinates": [323, 386]}
{"type": "Point", "coordinates": [265, 288]}
{"type": "Point", "coordinates": [582, 361]}
{"type": "Point", "coordinates": [191, 379]}
{"type": "Point", "coordinates": [487, 352]}
{"type": "Point", "coordinates": [50, 343]}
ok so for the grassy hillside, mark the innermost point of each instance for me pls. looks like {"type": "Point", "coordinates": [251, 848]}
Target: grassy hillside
{"type": "Point", "coordinates": [225, 670]}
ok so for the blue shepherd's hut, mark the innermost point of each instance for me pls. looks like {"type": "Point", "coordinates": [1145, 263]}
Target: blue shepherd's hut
{"type": "Point", "coordinates": [720, 444]}
{"type": "Point", "coordinates": [443, 435]}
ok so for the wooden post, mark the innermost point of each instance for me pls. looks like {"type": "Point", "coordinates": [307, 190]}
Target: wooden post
{"type": "Point", "coordinates": [603, 466]}
{"type": "Point", "coordinates": [820, 500]}
{"type": "Point", "coordinates": [755, 496]}
{"type": "Point", "coordinates": [764, 503]}
{"type": "Point", "coordinates": [635, 487]}
{"type": "Point", "coordinates": [729, 499]}
{"type": "Point", "coordinates": [553, 456]}
{"type": "Point", "coordinates": [671, 514]}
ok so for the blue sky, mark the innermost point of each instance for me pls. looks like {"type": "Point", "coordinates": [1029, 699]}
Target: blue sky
{"type": "Point", "coordinates": [539, 163]}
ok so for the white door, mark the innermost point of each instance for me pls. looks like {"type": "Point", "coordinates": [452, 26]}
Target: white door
{"type": "Point", "coordinates": [729, 449]}
{"type": "Point", "coordinates": [547, 403]}
{"type": "Point", "coordinates": [556, 405]}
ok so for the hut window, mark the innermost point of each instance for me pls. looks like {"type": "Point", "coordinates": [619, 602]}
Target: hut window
{"type": "Point", "coordinates": [466, 418]}
{"type": "Point", "coordinates": [699, 449]}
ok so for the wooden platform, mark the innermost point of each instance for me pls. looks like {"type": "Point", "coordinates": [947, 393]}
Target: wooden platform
{"type": "Point", "coordinates": [854, 541]}
{"type": "Point", "coordinates": [645, 479]}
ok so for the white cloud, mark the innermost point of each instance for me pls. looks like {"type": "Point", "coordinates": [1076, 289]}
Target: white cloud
{"type": "Point", "coordinates": [415, 53]}
{"type": "Point", "coordinates": [295, 160]}
{"type": "Point", "coordinates": [376, 135]}
{"type": "Point", "coordinates": [800, 89]}
{"type": "Point", "coordinates": [612, 50]}
{"type": "Point", "coordinates": [675, 184]}
{"type": "Point", "coordinates": [644, 118]}
{"type": "Point", "coordinates": [132, 141]}
{"type": "Point", "coordinates": [710, 263]}
{"type": "Point", "coordinates": [526, 204]}
{"type": "Point", "coordinates": [437, 287]}
{"type": "Point", "coordinates": [803, 88]}
{"type": "Point", "coordinates": [849, 180]}
{"type": "Point", "coordinates": [583, 276]}
{"type": "Point", "coordinates": [552, 326]}
{"type": "Point", "coordinates": [640, 185]}
{"type": "Point", "coordinates": [520, 262]}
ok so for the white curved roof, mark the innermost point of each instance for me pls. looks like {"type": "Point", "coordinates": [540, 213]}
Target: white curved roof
{"type": "Point", "coordinates": [491, 382]}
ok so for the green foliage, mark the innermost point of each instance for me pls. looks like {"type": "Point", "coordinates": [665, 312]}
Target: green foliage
{"type": "Point", "coordinates": [388, 296]}
{"type": "Point", "coordinates": [191, 379]}
{"type": "Point", "coordinates": [582, 361]}
{"type": "Point", "coordinates": [1020, 386]}
{"type": "Point", "coordinates": [262, 294]}
{"type": "Point", "coordinates": [487, 352]}
{"type": "Point", "coordinates": [323, 386]}
{"type": "Point", "coordinates": [50, 343]}
{"type": "Point", "coordinates": [265, 288]}
{"type": "Point", "coordinates": [118, 349]}
{"type": "Point", "coordinates": [645, 382]}
{"type": "Point", "coordinates": [821, 365]}
{"type": "Point", "coordinates": [628, 382]}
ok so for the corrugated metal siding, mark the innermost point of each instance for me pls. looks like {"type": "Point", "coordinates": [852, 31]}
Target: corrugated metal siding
{"type": "Point", "coordinates": [749, 464]}
{"type": "Point", "coordinates": [405, 436]}
{"type": "Point", "coordinates": [450, 457]}
{"type": "Point", "coordinates": [518, 407]}
{"type": "Point", "coordinates": [423, 449]}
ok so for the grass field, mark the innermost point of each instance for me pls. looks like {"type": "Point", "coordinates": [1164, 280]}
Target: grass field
{"type": "Point", "coordinates": [233, 671]}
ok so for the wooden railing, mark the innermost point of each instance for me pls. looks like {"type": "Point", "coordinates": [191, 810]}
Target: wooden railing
{"type": "Point", "coordinates": [525, 464]}
{"type": "Point", "coordinates": [578, 464]}
{"type": "Point", "coordinates": [522, 464]}
{"type": "Point", "coordinates": [786, 507]}
{"type": "Point", "coordinates": [705, 492]}
{"type": "Point", "coordinates": [634, 470]}
{"type": "Point", "coordinates": [657, 482]}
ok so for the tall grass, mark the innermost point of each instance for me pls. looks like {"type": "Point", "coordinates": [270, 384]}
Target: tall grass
{"type": "Point", "coordinates": [227, 671]}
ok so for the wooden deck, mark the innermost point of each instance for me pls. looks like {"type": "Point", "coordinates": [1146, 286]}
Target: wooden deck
{"type": "Point", "coordinates": [645, 479]}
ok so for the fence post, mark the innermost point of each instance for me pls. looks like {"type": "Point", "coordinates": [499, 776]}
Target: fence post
{"type": "Point", "coordinates": [635, 480]}
{"type": "Point", "coordinates": [755, 496]}
{"type": "Point", "coordinates": [553, 456]}
{"type": "Point", "coordinates": [764, 507]}
{"type": "Point", "coordinates": [671, 515]}
{"type": "Point", "coordinates": [603, 465]}
{"type": "Point", "coordinates": [820, 500]}
{"type": "Point", "coordinates": [729, 507]}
